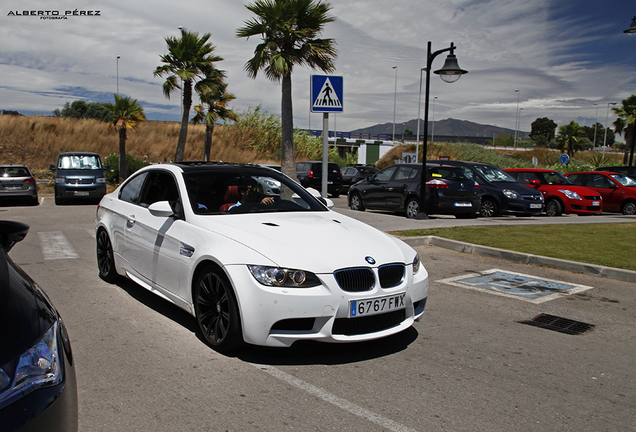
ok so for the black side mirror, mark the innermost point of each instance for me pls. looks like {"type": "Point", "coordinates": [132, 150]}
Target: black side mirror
{"type": "Point", "coordinates": [52, 167]}
{"type": "Point", "coordinates": [12, 232]}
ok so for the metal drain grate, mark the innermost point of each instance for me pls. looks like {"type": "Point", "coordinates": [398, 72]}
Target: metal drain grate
{"type": "Point", "coordinates": [562, 325]}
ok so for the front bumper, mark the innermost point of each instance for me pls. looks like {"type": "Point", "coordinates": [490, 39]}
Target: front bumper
{"type": "Point", "coordinates": [65, 191]}
{"type": "Point", "coordinates": [278, 317]}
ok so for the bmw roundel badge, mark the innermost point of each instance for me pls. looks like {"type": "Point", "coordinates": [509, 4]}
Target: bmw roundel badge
{"type": "Point", "coordinates": [370, 260]}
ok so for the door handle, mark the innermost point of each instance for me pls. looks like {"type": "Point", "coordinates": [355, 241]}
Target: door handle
{"type": "Point", "coordinates": [130, 221]}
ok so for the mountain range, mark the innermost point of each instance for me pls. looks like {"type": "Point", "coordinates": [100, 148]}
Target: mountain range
{"type": "Point", "coordinates": [448, 127]}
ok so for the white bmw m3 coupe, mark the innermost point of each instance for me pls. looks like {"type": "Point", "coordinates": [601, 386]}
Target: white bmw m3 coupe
{"type": "Point", "coordinates": [255, 257]}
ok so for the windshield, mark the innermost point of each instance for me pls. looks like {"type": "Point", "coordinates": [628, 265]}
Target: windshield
{"type": "Point", "coordinates": [246, 190]}
{"type": "Point", "coordinates": [79, 162]}
{"type": "Point", "coordinates": [494, 174]}
{"type": "Point", "coordinates": [16, 171]}
{"type": "Point", "coordinates": [624, 180]}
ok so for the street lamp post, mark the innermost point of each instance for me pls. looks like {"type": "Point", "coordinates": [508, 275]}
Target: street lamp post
{"type": "Point", "coordinates": [517, 118]}
{"type": "Point", "coordinates": [433, 122]}
{"type": "Point", "coordinates": [394, 103]}
{"type": "Point", "coordinates": [419, 106]}
{"type": "Point", "coordinates": [595, 124]}
{"type": "Point", "coordinates": [449, 73]}
{"type": "Point", "coordinates": [606, 120]}
{"type": "Point", "coordinates": [118, 57]}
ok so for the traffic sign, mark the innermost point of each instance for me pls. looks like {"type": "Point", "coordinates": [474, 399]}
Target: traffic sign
{"type": "Point", "coordinates": [326, 94]}
{"type": "Point", "coordinates": [564, 159]}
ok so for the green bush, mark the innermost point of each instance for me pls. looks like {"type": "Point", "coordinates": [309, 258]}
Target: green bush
{"type": "Point", "coordinates": [132, 165]}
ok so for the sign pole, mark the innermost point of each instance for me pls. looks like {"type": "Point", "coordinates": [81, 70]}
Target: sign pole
{"type": "Point", "coordinates": [325, 153]}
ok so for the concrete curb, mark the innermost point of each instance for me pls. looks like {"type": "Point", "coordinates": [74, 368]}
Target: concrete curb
{"type": "Point", "coordinates": [520, 257]}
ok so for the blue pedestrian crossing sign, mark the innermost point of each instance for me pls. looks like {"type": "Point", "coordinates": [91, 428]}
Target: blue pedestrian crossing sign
{"type": "Point", "coordinates": [326, 93]}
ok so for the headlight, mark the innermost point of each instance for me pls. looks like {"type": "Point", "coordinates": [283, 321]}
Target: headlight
{"type": "Point", "coordinates": [59, 180]}
{"type": "Point", "coordinates": [570, 194]}
{"type": "Point", "coordinates": [101, 180]}
{"type": "Point", "coordinates": [39, 366]}
{"type": "Point", "coordinates": [280, 277]}
{"type": "Point", "coordinates": [510, 194]}
{"type": "Point", "coordinates": [416, 263]}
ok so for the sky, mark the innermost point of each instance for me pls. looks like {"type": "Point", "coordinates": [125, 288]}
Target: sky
{"type": "Point", "coordinates": [560, 59]}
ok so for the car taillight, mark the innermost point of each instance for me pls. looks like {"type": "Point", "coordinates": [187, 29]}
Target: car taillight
{"type": "Point", "coordinates": [437, 183]}
{"type": "Point", "coordinates": [311, 174]}
{"type": "Point", "coordinates": [29, 180]}
{"type": "Point", "coordinates": [476, 186]}
{"type": "Point", "coordinates": [340, 172]}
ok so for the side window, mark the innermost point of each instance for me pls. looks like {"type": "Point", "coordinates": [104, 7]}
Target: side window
{"type": "Point", "coordinates": [524, 177]}
{"type": "Point", "coordinates": [405, 173]}
{"type": "Point", "coordinates": [160, 186]}
{"type": "Point", "coordinates": [132, 190]}
{"type": "Point", "coordinates": [599, 181]}
{"type": "Point", "coordinates": [577, 179]}
{"type": "Point", "coordinates": [385, 175]}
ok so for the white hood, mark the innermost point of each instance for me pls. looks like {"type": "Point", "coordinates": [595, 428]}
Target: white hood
{"type": "Point", "coordinates": [314, 241]}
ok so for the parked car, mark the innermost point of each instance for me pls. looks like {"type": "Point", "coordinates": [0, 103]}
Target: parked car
{"type": "Point", "coordinates": [500, 193]}
{"type": "Point", "coordinates": [16, 181]}
{"type": "Point", "coordinates": [629, 171]}
{"type": "Point", "coordinates": [309, 174]}
{"type": "Point", "coordinates": [449, 190]}
{"type": "Point", "coordinates": [265, 272]}
{"type": "Point", "coordinates": [79, 175]}
{"type": "Point", "coordinates": [559, 193]}
{"type": "Point", "coordinates": [37, 372]}
{"type": "Point", "coordinates": [354, 173]}
{"type": "Point", "coordinates": [618, 190]}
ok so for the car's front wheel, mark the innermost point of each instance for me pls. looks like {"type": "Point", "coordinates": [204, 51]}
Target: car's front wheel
{"type": "Point", "coordinates": [216, 310]}
{"type": "Point", "coordinates": [553, 208]}
{"type": "Point", "coordinates": [356, 202]}
{"type": "Point", "coordinates": [629, 208]}
{"type": "Point", "coordinates": [105, 257]}
{"type": "Point", "coordinates": [412, 208]}
{"type": "Point", "coordinates": [488, 208]}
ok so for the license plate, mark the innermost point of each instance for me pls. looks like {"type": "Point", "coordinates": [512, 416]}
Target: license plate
{"type": "Point", "coordinates": [596, 203]}
{"type": "Point", "coordinates": [374, 306]}
{"type": "Point", "coordinates": [329, 182]}
{"type": "Point", "coordinates": [80, 193]}
{"type": "Point", "coordinates": [463, 204]}
{"type": "Point", "coordinates": [11, 187]}
{"type": "Point", "coordinates": [536, 206]}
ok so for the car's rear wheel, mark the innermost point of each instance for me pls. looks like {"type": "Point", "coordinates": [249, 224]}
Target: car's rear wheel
{"type": "Point", "coordinates": [488, 208]}
{"type": "Point", "coordinates": [216, 310]}
{"type": "Point", "coordinates": [553, 208]}
{"type": "Point", "coordinates": [105, 257]}
{"type": "Point", "coordinates": [412, 208]}
{"type": "Point", "coordinates": [356, 202]}
{"type": "Point", "coordinates": [629, 208]}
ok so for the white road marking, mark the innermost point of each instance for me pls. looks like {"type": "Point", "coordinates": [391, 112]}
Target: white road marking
{"type": "Point", "coordinates": [335, 400]}
{"type": "Point", "coordinates": [56, 246]}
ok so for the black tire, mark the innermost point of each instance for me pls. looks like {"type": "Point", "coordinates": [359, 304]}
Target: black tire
{"type": "Point", "coordinates": [412, 208]}
{"type": "Point", "coordinates": [356, 202]}
{"type": "Point", "coordinates": [553, 208]}
{"type": "Point", "coordinates": [335, 194]}
{"type": "Point", "coordinates": [629, 208]}
{"type": "Point", "coordinates": [216, 310]}
{"type": "Point", "coordinates": [105, 257]}
{"type": "Point", "coordinates": [488, 208]}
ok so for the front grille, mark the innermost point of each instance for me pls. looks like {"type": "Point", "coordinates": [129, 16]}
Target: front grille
{"type": "Point", "coordinates": [79, 181]}
{"type": "Point", "coordinates": [356, 279]}
{"type": "Point", "coordinates": [368, 324]}
{"type": "Point", "coordinates": [531, 197]}
{"type": "Point", "coordinates": [391, 275]}
{"type": "Point", "coordinates": [592, 198]}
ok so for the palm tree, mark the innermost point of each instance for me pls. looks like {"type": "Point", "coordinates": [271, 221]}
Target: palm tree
{"type": "Point", "coordinates": [570, 137]}
{"type": "Point", "coordinates": [215, 98]}
{"type": "Point", "coordinates": [289, 30]}
{"type": "Point", "coordinates": [189, 59]}
{"type": "Point", "coordinates": [127, 114]}
{"type": "Point", "coordinates": [626, 122]}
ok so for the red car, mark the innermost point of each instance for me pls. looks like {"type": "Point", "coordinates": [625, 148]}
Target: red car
{"type": "Point", "coordinates": [560, 194]}
{"type": "Point", "coordinates": [618, 190]}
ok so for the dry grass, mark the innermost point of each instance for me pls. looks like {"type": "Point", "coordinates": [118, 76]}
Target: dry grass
{"type": "Point", "coordinates": [36, 141]}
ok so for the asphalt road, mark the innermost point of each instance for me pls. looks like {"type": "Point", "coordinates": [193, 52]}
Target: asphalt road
{"type": "Point", "coordinates": [468, 365]}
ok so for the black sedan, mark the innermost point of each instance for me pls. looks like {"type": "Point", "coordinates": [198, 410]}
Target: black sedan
{"type": "Point", "coordinates": [37, 374]}
{"type": "Point", "coordinates": [449, 190]}
{"type": "Point", "coordinates": [354, 173]}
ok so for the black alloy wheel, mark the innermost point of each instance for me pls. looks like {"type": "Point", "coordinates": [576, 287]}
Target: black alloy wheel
{"type": "Point", "coordinates": [629, 208]}
{"type": "Point", "coordinates": [488, 208]}
{"type": "Point", "coordinates": [553, 208]}
{"type": "Point", "coordinates": [216, 310]}
{"type": "Point", "coordinates": [356, 202]}
{"type": "Point", "coordinates": [105, 258]}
